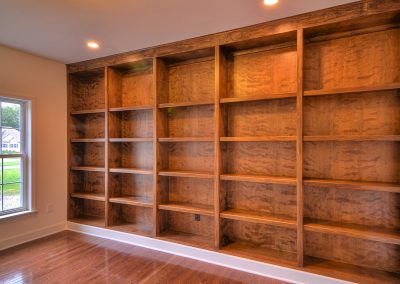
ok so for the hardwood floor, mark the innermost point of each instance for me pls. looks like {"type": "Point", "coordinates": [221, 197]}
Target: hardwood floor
{"type": "Point", "coordinates": [70, 257]}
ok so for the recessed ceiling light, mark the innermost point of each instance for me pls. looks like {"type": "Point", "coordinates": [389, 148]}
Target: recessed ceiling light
{"type": "Point", "coordinates": [270, 2]}
{"type": "Point", "coordinates": [92, 44]}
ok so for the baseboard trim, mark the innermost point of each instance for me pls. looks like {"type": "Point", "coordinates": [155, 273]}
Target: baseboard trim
{"type": "Point", "coordinates": [32, 235]}
{"type": "Point", "coordinates": [251, 266]}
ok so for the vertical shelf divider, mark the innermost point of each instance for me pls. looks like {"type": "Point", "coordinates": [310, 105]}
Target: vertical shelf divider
{"type": "Point", "coordinates": [158, 89]}
{"type": "Point", "coordinates": [220, 68]}
{"type": "Point", "coordinates": [155, 148]}
{"type": "Point", "coordinates": [69, 190]}
{"type": "Point", "coordinates": [106, 148]}
{"type": "Point", "coordinates": [299, 148]}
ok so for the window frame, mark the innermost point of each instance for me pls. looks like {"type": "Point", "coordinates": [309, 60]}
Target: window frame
{"type": "Point", "coordinates": [25, 141]}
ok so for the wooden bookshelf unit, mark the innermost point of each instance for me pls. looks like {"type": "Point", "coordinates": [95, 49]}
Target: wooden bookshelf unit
{"type": "Point", "coordinates": [278, 142]}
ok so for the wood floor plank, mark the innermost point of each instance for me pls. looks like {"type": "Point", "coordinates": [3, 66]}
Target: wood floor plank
{"type": "Point", "coordinates": [70, 257]}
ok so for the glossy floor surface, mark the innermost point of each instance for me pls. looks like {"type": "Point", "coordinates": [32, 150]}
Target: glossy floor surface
{"type": "Point", "coordinates": [69, 257]}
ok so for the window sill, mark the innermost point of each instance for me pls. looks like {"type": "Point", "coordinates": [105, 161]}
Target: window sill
{"type": "Point", "coordinates": [17, 215]}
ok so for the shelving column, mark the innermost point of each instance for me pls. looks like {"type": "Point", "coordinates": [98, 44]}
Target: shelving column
{"type": "Point", "coordinates": [158, 80]}
{"type": "Point", "coordinates": [220, 67]}
{"type": "Point", "coordinates": [299, 148]}
{"type": "Point", "coordinates": [106, 147]}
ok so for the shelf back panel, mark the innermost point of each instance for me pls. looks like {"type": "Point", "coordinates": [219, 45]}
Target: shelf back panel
{"type": "Point", "coordinates": [371, 59]}
{"type": "Point", "coordinates": [268, 199]}
{"type": "Point", "coordinates": [260, 158]}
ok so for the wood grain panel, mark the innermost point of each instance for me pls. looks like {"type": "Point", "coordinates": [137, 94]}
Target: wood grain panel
{"type": "Point", "coordinates": [131, 155]}
{"type": "Point", "coordinates": [87, 126]}
{"type": "Point", "coordinates": [276, 117]}
{"type": "Point", "coordinates": [255, 158]}
{"type": "Point", "coordinates": [86, 91]}
{"type": "Point", "coordinates": [131, 124]}
{"type": "Point", "coordinates": [184, 224]}
{"type": "Point", "coordinates": [374, 113]}
{"type": "Point", "coordinates": [348, 206]}
{"type": "Point", "coordinates": [133, 219]}
{"type": "Point", "coordinates": [354, 251]}
{"type": "Point", "coordinates": [137, 89]}
{"type": "Point", "coordinates": [188, 156]}
{"type": "Point", "coordinates": [196, 121]}
{"type": "Point", "coordinates": [121, 184]}
{"type": "Point", "coordinates": [87, 154]}
{"type": "Point", "coordinates": [86, 182]}
{"type": "Point", "coordinates": [192, 82]}
{"type": "Point", "coordinates": [357, 161]}
{"type": "Point", "coordinates": [263, 236]}
{"type": "Point", "coordinates": [260, 73]}
{"type": "Point", "coordinates": [188, 190]}
{"type": "Point", "coordinates": [365, 60]}
{"type": "Point", "coordinates": [131, 84]}
{"type": "Point", "coordinates": [82, 208]}
{"type": "Point", "coordinates": [262, 198]}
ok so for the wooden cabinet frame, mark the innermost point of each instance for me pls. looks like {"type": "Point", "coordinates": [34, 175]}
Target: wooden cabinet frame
{"type": "Point", "coordinates": [238, 142]}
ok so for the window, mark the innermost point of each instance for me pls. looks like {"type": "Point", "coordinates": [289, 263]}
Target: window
{"type": "Point", "coordinates": [14, 171]}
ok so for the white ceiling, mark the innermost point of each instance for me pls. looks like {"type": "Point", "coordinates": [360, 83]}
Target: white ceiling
{"type": "Point", "coordinates": [58, 29]}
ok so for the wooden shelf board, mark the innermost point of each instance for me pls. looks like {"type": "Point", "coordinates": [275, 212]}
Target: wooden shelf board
{"type": "Point", "coordinates": [352, 138]}
{"type": "Point", "coordinates": [132, 200]}
{"type": "Point", "coordinates": [133, 229]}
{"type": "Point", "coordinates": [185, 104]}
{"type": "Point", "coordinates": [190, 174]}
{"type": "Point", "coordinates": [259, 253]}
{"type": "Point", "coordinates": [88, 169]}
{"type": "Point", "coordinates": [88, 111]}
{"type": "Point", "coordinates": [87, 140]}
{"type": "Point", "coordinates": [130, 108]}
{"type": "Point", "coordinates": [187, 239]}
{"type": "Point", "coordinates": [89, 196]}
{"type": "Point", "coordinates": [138, 139]}
{"type": "Point", "coordinates": [256, 217]}
{"type": "Point", "coordinates": [188, 208]}
{"type": "Point", "coordinates": [257, 98]}
{"type": "Point", "coordinates": [186, 139]}
{"type": "Point", "coordinates": [353, 230]}
{"type": "Point", "coordinates": [348, 272]}
{"type": "Point", "coordinates": [131, 171]}
{"type": "Point", "coordinates": [258, 139]}
{"type": "Point", "coordinates": [259, 179]}
{"type": "Point", "coordinates": [354, 185]}
{"type": "Point", "coordinates": [89, 220]}
{"type": "Point", "coordinates": [393, 86]}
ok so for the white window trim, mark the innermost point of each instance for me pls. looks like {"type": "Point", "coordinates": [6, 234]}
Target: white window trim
{"type": "Point", "coordinates": [26, 151]}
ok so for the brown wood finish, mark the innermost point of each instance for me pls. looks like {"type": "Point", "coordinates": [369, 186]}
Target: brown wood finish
{"type": "Point", "coordinates": [271, 142]}
{"type": "Point", "coordinates": [131, 218]}
{"type": "Point", "coordinates": [254, 158]}
{"type": "Point", "coordinates": [220, 91]}
{"type": "Point", "coordinates": [260, 241]}
{"type": "Point", "coordinates": [259, 198]}
{"type": "Point", "coordinates": [93, 260]}
{"type": "Point", "coordinates": [108, 87]}
{"type": "Point", "coordinates": [299, 147]}
{"type": "Point", "coordinates": [130, 185]}
{"type": "Point", "coordinates": [182, 227]}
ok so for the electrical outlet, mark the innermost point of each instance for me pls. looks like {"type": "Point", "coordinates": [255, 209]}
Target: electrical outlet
{"type": "Point", "coordinates": [196, 217]}
{"type": "Point", "coordinates": [50, 208]}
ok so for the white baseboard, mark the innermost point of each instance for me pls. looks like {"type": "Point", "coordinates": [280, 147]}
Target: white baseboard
{"type": "Point", "coordinates": [255, 267]}
{"type": "Point", "coordinates": [32, 235]}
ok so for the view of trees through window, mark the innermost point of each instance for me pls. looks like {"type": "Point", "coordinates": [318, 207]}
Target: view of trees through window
{"type": "Point", "coordinates": [11, 162]}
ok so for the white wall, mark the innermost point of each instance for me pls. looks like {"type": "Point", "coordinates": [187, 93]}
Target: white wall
{"type": "Point", "coordinates": [43, 81]}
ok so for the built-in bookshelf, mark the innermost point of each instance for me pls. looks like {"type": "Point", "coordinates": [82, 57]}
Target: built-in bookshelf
{"type": "Point", "coordinates": [282, 147]}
